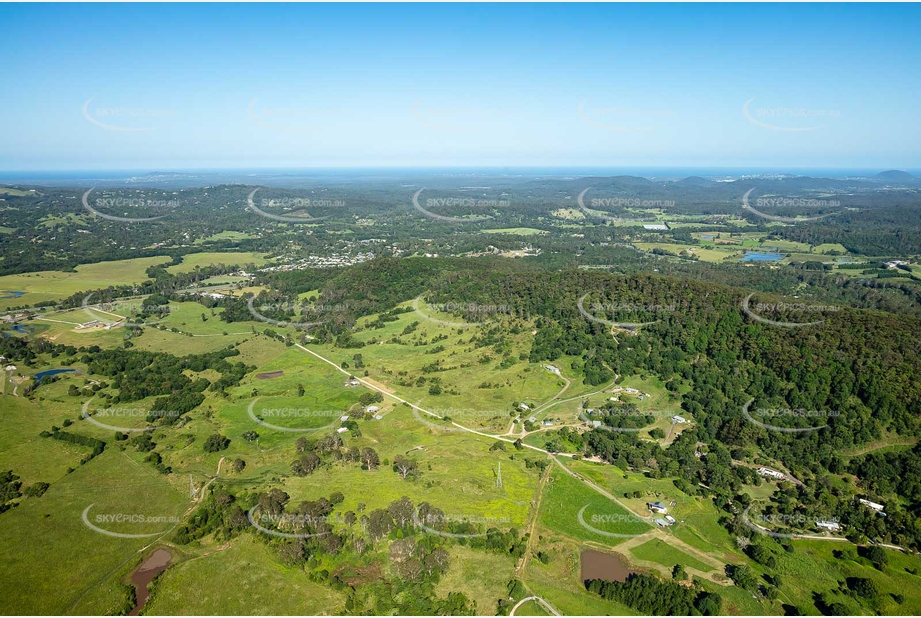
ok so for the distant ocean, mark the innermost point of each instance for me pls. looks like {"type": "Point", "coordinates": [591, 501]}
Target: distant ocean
{"type": "Point", "coordinates": [310, 176]}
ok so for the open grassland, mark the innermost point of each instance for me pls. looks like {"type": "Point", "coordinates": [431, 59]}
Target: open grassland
{"type": "Point", "coordinates": [51, 559]}
{"type": "Point", "coordinates": [457, 474]}
{"type": "Point", "coordinates": [601, 518]}
{"type": "Point", "coordinates": [259, 350]}
{"type": "Point", "coordinates": [482, 576]}
{"type": "Point", "coordinates": [560, 581]}
{"type": "Point", "coordinates": [54, 285]}
{"type": "Point", "coordinates": [225, 235]}
{"type": "Point", "coordinates": [812, 567]}
{"type": "Point", "coordinates": [225, 280]}
{"type": "Point", "coordinates": [27, 454]}
{"type": "Point", "coordinates": [658, 551]}
{"type": "Point", "coordinates": [190, 261]}
{"type": "Point", "coordinates": [478, 390]}
{"type": "Point", "coordinates": [716, 254]}
{"type": "Point", "coordinates": [243, 578]}
{"type": "Point", "coordinates": [697, 517]}
{"type": "Point", "coordinates": [17, 192]}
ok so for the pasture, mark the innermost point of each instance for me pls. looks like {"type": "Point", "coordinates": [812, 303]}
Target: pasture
{"type": "Point", "coordinates": [244, 577]}
{"type": "Point", "coordinates": [53, 285]}
{"type": "Point", "coordinates": [192, 260]}
{"type": "Point", "coordinates": [52, 560]}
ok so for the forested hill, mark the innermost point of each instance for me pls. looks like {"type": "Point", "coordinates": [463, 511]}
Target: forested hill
{"type": "Point", "coordinates": [857, 366]}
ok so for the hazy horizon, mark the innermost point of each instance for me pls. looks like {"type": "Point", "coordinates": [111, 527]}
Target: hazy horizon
{"type": "Point", "coordinates": [144, 87]}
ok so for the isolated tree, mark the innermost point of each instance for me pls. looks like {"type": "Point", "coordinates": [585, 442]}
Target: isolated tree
{"type": "Point", "coordinates": [405, 467]}
{"type": "Point", "coordinates": [369, 458]}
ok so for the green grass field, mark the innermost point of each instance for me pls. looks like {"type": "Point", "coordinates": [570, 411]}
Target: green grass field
{"type": "Point", "coordinates": [52, 559]}
{"type": "Point", "coordinates": [481, 576]}
{"type": "Point", "coordinates": [661, 552]}
{"type": "Point", "coordinates": [243, 578]}
{"type": "Point", "coordinates": [226, 235]}
{"type": "Point", "coordinates": [565, 499]}
{"type": "Point", "coordinates": [190, 261]}
{"type": "Point", "coordinates": [55, 285]}
{"type": "Point", "coordinates": [705, 254]}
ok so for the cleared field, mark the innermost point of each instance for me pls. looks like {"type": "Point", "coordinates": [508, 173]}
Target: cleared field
{"type": "Point", "coordinates": [32, 457]}
{"type": "Point", "coordinates": [51, 559]}
{"type": "Point", "coordinates": [55, 285]}
{"type": "Point", "coordinates": [412, 362]}
{"type": "Point", "coordinates": [662, 553]}
{"type": "Point", "coordinates": [16, 192]}
{"type": "Point", "coordinates": [602, 519]}
{"type": "Point", "coordinates": [457, 473]}
{"type": "Point", "coordinates": [813, 567]}
{"type": "Point", "coordinates": [705, 254]}
{"type": "Point", "coordinates": [829, 247]}
{"type": "Point", "coordinates": [482, 576]}
{"type": "Point", "coordinates": [787, 246]}
{"type": "Point", "coordinates": [226, 235]}
{"type": "Point", "coordinates": [244, 578]}
{"type": "Point", "coordinates": [560, 581]}
{"type": "Point", "coordinates": [190, 261]}
{"type": "Point", "coordinates": [698, 518]}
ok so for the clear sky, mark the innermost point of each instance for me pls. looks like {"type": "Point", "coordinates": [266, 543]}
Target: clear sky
{"type": "Point", "coordinates": [155, 86]}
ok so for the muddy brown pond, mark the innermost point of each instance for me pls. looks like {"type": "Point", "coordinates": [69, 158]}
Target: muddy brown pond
{"type": "Point", "coordinates": [601, 565]}
{"type": "Point", "coordinates": [155, 564]}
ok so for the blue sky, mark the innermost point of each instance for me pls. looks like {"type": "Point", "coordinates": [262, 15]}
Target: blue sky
{"type": "Point", "coordinates": [152, 86]}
